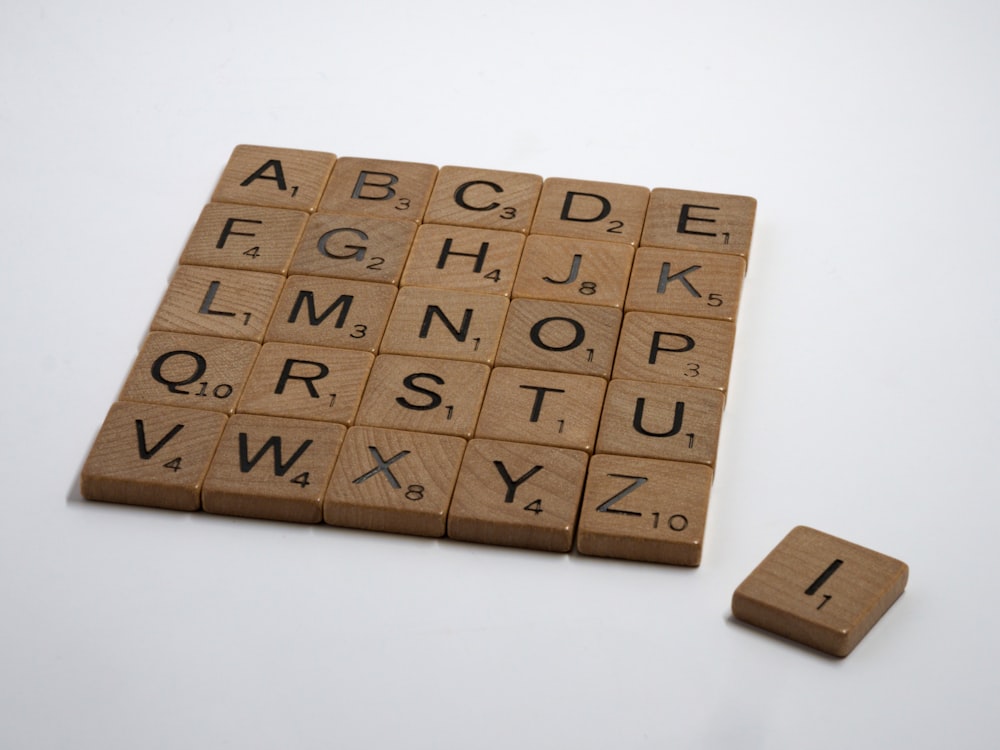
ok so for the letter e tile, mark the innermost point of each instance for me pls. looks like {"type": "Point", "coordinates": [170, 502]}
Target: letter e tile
{"type": "Point", "coordinates": [689, 220]}
{"type": "Point", "coordinates": [518, 495]}
{"type": "Point", "coordinates": [644, 509]}
{"type": "Point", "coordinates": [819, 590]}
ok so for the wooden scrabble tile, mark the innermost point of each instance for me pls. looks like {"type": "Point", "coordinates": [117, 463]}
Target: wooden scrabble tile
{"type": "Point", "coordinates": [518, 495]}
{"type": "Point", "coordinates": [271, 467]}
{"type": "Point", "coordinates": [354, 247]}
{"type": "Point", "coordinates": [560, 336]}
{"type": "Point", "coordinates": [661, 421]}
{"type": "Point", "coordinates": [675, 349]}
{"type": "Point", "coordinates": [485, 198]}
{"type": "Point", "coordinates": [601, 211]}
{"type": "Point", "coordinates": [447, 324]}
{"type": "Point", "coordinates": [218, 302]}
{"type": "Point", "coordinates": [643, 509]}
{"type": "Point", "coordinates": [306, 382]}
{"type": "Point", "coordinates": [379, 188]}
{"type": "Point", "coordinates": [152, 455]}
{"type": "Point", "coordinates": [546, 408]}
{"type": "Point", "coordinates": [690, 220]}
{"type": "Point", "coordinates": [197, 372]}
{"type": "Point", "coordinates": [338, 313]}
{"type": "Point", "coordinates": [464, 258]}
{"type": "Point", "coordinates": [422, 394]}
{"type": "Point", "coordinates": [396, 481]}
{"type": "Point", "coordinates": [820, 590]}
{"type": "Point", "coordinates": [245, 238]}
{"type": "Point", "coordinates": [679, 282]}
{"type": "Point", "coordinates": [572, 270]}
{"type": "Point", "coordinates": [279, 177]}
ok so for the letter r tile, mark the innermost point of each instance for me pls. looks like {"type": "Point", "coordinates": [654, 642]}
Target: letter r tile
{"type": "Point", "coordinates": [306, 382]}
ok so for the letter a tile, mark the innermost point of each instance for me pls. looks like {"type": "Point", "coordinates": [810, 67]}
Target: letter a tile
{"type": "Point", "coordinates": [278, 177]}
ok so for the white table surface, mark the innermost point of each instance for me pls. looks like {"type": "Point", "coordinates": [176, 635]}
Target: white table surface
{"type": "Point", "coordinates": [863, 398]}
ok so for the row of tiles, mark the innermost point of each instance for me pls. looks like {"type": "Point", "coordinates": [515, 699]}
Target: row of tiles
{"type": "Point", "coordinates": [482, 490]}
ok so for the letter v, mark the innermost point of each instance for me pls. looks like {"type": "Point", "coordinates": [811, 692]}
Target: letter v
{"type": "Point", "coordinates": [140, 432]}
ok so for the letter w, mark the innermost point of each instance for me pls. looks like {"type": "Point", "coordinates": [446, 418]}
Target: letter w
{"type": "Point", "coordinates": [273, 443]}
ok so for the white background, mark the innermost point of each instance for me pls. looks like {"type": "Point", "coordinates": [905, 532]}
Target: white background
{"type": "Point", "coordinates": [863, 399]}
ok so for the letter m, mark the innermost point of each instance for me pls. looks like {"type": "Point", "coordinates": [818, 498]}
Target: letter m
{"type": "Point", "coordinates": [306, 298]}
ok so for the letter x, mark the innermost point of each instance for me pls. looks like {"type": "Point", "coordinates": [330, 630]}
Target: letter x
{"type": "Point", "coordinates": [381, 465]}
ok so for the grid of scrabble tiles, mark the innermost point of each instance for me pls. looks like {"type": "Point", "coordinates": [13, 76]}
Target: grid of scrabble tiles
{"type": "Point", "coordinates": [474, 353]}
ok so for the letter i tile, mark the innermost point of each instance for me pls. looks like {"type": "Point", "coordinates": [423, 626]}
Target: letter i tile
{"type": "Point", "coordinates": [819, 590]}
